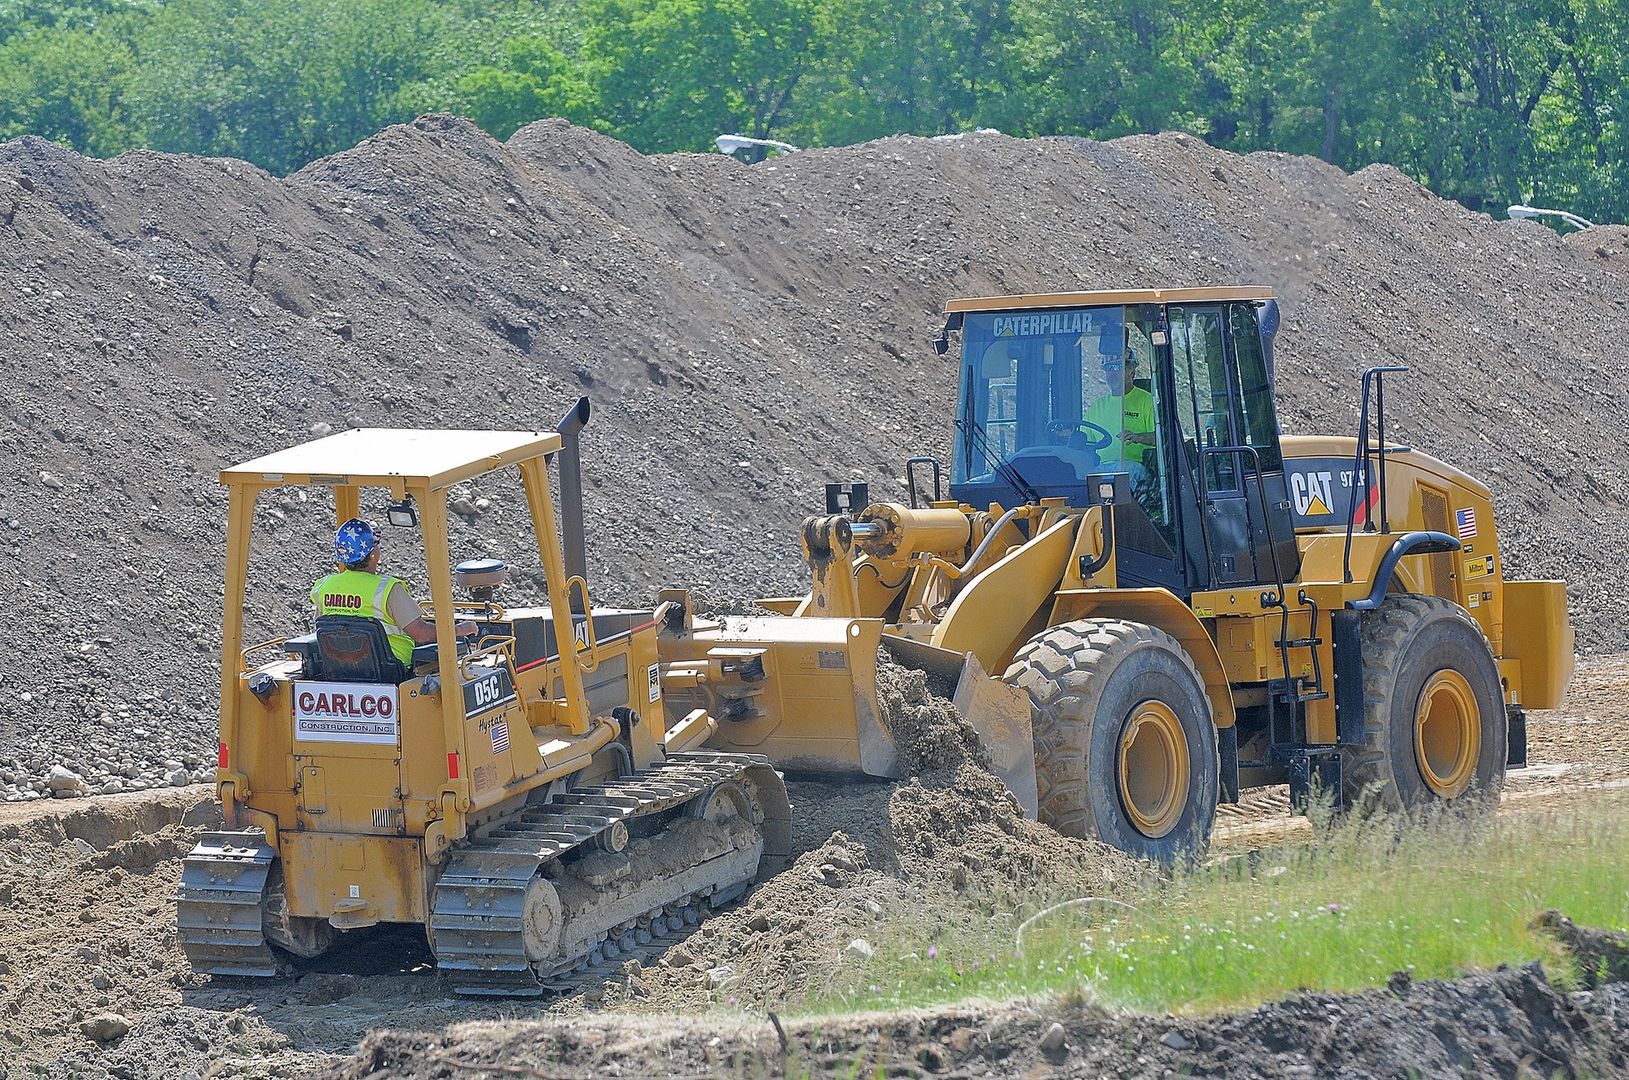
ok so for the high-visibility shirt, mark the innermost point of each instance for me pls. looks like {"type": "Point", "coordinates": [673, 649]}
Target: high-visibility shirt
{"type": "Point", "coordinates": [370, 596]}
{"type": "Point", "coordinates": [1120, 414]}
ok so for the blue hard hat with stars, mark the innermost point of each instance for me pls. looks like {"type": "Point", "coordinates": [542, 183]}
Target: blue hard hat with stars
{"type": "Point", "coordinates": [355, 541]}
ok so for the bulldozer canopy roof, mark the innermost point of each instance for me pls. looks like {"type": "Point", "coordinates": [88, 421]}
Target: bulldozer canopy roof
{"type": "Point", "coordinates": [1111, 296]}
{"type": "Point", "coordinates": [387, 456]}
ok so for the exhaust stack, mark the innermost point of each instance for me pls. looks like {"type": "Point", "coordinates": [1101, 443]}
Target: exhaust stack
{"type": "Point", "coordinates": [571, 492]}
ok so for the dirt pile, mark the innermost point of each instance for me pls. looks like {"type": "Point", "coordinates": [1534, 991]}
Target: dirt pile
{"type": "Point", "coordinates": [1507, 1023]}
{"type": "Point", "coordinates": [93, 982]}
{"type": "Point", "coordinates": [1606, 245]}
{"type": "Point", "coordinates": [746, 334]}
{"type": "Point", "coordinates": [947, 847]}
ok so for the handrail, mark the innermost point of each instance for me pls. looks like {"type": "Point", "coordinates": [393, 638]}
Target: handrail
{"type": "Point", "coordinates": [502, 646]}
{"type": "Point", "coordinates": [1266, 518]}
{"type": "Point", "coordinates": [1360, 463]}
{"type": "Point", "coordinates": [1276, 597]}
{"type": "Point", "coordinates": [591, 643]}
{"type": "Point", "coordinates": [938, 477]}
{"type": "Point", "coordinates": [243, 656]}
{"type": "Point", "coordinates": [489, 609]}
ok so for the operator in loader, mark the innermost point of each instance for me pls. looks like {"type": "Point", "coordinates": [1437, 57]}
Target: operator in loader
{"type": "Point", "coordinates": [1125, 410]}
{"type": "Point", "coordinates": [359, 589]}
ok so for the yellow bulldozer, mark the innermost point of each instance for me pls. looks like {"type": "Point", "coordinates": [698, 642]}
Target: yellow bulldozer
{"type": "Point", "coordinates": [519, 791]}
{"type": "Point", "coordinates": [1172, 600]}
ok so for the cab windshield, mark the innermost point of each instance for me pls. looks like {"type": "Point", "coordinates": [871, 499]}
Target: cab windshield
{"type": "Point", "coordinates": [1053, 395]}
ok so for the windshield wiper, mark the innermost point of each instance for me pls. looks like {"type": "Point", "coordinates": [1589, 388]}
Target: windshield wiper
{"type": "Point", "coordinates": [1006, 469]}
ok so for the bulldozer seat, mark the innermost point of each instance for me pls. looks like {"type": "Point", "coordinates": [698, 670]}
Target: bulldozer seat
{"type": "Point", "coordinates": [354, 648]}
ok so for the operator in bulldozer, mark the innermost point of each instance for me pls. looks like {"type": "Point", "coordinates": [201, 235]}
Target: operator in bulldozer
{"type": "Point", "coordinates": [1126, 410]}
{"type": "Point", "coordinates": [359, 591]}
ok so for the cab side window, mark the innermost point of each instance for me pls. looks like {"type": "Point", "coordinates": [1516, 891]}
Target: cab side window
{"type": "Point", "coordinates": [1203, 405]}
{"type": "Point", "coordinates": [1255, 385]}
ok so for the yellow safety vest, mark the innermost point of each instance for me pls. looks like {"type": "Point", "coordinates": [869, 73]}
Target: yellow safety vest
{"type": "Point", "coordinates": [357, 592]}
{"type": "Point", "coordinates": [1131, 413]}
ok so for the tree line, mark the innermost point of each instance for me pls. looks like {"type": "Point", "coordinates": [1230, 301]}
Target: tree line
{"type": "Point", "coordinates": [1489, 102]}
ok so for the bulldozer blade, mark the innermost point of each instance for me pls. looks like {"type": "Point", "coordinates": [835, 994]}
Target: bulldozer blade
{"type": "Point", "coordinates": [999, 713]}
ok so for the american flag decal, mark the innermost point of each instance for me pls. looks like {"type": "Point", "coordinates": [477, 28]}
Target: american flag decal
{"type": "Point", "coordinates": [1465, 522]}
{"type": "Point", "coordinates": [500, 736]}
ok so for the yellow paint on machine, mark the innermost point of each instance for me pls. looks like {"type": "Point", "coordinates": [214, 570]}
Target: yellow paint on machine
{"type": "Point", "coordinates": [321, 871]}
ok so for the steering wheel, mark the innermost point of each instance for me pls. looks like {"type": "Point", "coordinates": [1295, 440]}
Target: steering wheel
{"type": "Point", "coordinates": [1101, 439]}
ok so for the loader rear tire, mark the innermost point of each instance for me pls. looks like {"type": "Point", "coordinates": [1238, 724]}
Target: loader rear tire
{"type": "Point", "coordinates": [1125, 750]}
{"type": "Point", "coordinates": [1433, 709]}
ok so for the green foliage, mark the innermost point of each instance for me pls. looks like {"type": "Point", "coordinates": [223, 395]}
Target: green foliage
{"type": "Point", "coordinates": [67, 86]}
{"type": "Point", "coordinates": [671, 74]}
{"type": "Point", "coordinates": [533, 79]}
{"type": "Point", "coordinates": [278, 82]}
{"type": "Point", "coordinates": [1485, 101]}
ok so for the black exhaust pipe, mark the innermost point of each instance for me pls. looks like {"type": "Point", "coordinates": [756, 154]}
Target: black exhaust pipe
{"type": "Point", "coordinates": [571, 494]}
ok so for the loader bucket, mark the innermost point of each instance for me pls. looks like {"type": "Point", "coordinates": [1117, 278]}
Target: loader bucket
{"type": "Point", "coordinates": [999, 713]}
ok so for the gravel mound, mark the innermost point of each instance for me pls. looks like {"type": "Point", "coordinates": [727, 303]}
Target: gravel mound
{"type": "Point", "coordinates": [745, 332]}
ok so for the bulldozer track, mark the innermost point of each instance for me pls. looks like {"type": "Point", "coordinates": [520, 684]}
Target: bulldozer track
{"type": "Point", "coordinates": [478, 910]}
{"type": "Point", "coordinates": [478, 916]}
{"type": "Point", "coordinates": [220, 904]}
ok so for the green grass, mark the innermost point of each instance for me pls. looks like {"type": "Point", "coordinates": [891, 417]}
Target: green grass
{"type": "Point", "coordinates": [1342, 912]}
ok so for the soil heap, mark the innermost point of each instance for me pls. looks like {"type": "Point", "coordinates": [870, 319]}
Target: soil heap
{"type": "Point", "coordinates": [945, 848]}
{"type": "Point", "coordinates": [746, 333]}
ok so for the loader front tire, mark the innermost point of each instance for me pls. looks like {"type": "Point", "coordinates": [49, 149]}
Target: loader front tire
{"type": "Point", "coordinates": [1125, 750]}
{"type": "Point", "coordinates": [1433, 710]}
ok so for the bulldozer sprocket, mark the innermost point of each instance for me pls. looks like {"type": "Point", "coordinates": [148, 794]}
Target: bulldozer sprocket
{"type": "Point", "coordinates": [485, 902]}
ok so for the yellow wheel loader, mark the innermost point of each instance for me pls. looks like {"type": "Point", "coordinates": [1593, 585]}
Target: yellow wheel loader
{"type": "Point", "coordinates": [1174, 600]}
{"type": "Point", "coordinates": [518, 793]}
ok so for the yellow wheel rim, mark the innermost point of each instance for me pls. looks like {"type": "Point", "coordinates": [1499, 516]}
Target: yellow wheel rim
{"type": "Point", "coordinates": [1447, 733]}
{"type": "Point", "coordinates": [1153, 769]}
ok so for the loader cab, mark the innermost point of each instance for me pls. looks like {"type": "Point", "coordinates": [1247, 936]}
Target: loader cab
{"type": "Point", "coordinates": [1171, 387]}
